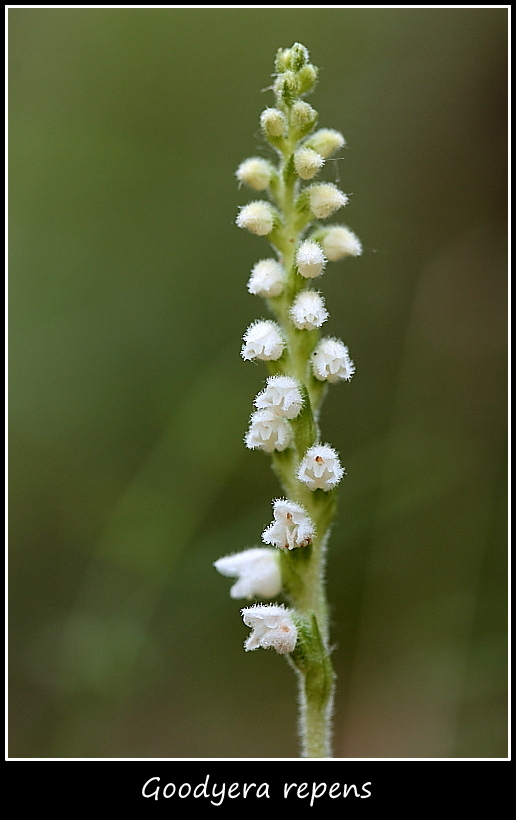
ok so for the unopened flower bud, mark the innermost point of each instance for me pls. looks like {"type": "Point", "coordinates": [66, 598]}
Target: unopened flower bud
{"type": "Point", "coordinates": [267, 279]}
{"type": "Point", "coordinates": [282, 396]}
{"type": "Point", "coordinates": [320, 468]}
{"type": "Point", "coordinates": [282, 61]}
{"type": "Point", "coordinates": [272, 625]}
{"type": "Point", "coordinates": [325, 199]}
{"type": "Point", "coordinates": [273, 122]}
{"type": "Point", "coordinates": [257, 217]}
{"type": "Point", "coordinates": [331, 361]}
{"type": "Point", "coordinates": [286, 87]}
{"type": "Point", "coordinates": [255, 172]}
{"type": "Point", "coordinates": [258, 572]}
{"type": "Point", "coordinates": [263, 340]}
{"type": "Point", "coordinates": [298, 56]}
{"type": "Point", "coordinates": [308, 311]}
{"type": "Point", "coordinates": [338, 242]}
{"type": "Point", "coordinates": [302, 118]}
{"type": "Point", "coordinates": [307, 77]}
{"type": "Point", "coordinates": [268, 432]}
{"type": "Point", "coordinates": [326, 141]}
{"type": "Point", "coordinates": [292, 526]}
{"type": "Point", "coordinates": [310, 259]}
{"type": "Point", "coordinates": [307, 163]}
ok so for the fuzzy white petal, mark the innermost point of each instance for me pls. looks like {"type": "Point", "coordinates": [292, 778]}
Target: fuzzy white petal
{"type": "Point", "coordinates": [331, 361]}
{"type": "Point", "coordinates": [257, 217]}
{"type": "Point", "coordinates": [257, 570]}
{"type": "Point", "coordinates": [326, 141]}
{"type": "Point", "coordinates": [339, 242]}
{"type": "Point", "coordinates": [273, 122]}
{"type": "Point", "coordinates": [302, 116]}
{"type": "Point", "coordinates": [268, 431]}
{"type": "Point", "coordinates": [263, 340]}
{"type": "Point", "coordinates": [325, 199]}
{"type": "Point", "coordinates": [307, 163]}
{"type": "Point", "coordinates": [320, 468]}
{"type": "Point", "coordinates": [282, 396]}
{"type": "Point", "coordinates": [255, 172]}
{"type": "Point", "coordinates": [308, 311]}
{"type": "Point", "coordinates": [310, 259]}
{"type": "Point", "coordinates": [272, 625]}
{"type": "Point", "coordinates": [292, 526]}
{"type": "Point", "coordinates": [267, 279]}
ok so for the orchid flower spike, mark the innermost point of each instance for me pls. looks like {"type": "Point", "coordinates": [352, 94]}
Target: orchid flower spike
{"type": "Point", "coordinates": [300, 365]}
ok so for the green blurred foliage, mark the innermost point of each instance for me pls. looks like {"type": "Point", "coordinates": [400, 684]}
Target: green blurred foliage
{"type": "Point", "coordinates": [129, 400]}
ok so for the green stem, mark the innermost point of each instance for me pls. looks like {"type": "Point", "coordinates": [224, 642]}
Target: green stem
{"type": "Point", "coordinates": [315, 720]}
{"type": "Point", "coordinates": [316, 687]}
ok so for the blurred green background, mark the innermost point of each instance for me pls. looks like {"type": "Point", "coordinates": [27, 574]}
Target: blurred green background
{"type": "Point", "coordinates": [129, 399]}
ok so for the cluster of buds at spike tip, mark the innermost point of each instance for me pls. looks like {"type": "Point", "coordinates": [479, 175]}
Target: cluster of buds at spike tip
{"type": "Point", "coordinates": [284, 420]}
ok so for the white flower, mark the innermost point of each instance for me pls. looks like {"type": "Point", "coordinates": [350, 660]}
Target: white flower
{"type": "Point", "coordinates": [257, 217]}
{"type": "Point", "coordinates": [263, 340]}
{"type": "Point", "coordinates": [282, 396]}
{"type": "Point", "coordinates": [267, 279]}
{"type": "Point", "coordinates": [338, 242]}
{"type": "Point", "coordinates": [308, 311]}
{"type": "Point", "coordinates": [310, 259]}
{"type": "Point", "coordinates": [292, 526]}
{"type": "Point", "coordinates": [325, 199]}
{"type": "Point", "coordinates": [255, 172]}
{"type": "Point", "coordinates": [272, 625]}
{"type": "Point", "coordinates": [273, 122]}
{"type": "Point", "coordinates": [331, 362]}
{"type": "Point", "coordinates": [268, 431]}
{"type": "Point", "coordinates": [326, 141]}
{"type": "Point", "coordinates": [320, 468]}
{"type": "Point", "coordinates": [258, 572]}
{"type": "Point", "coordinates": [307, 163]}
